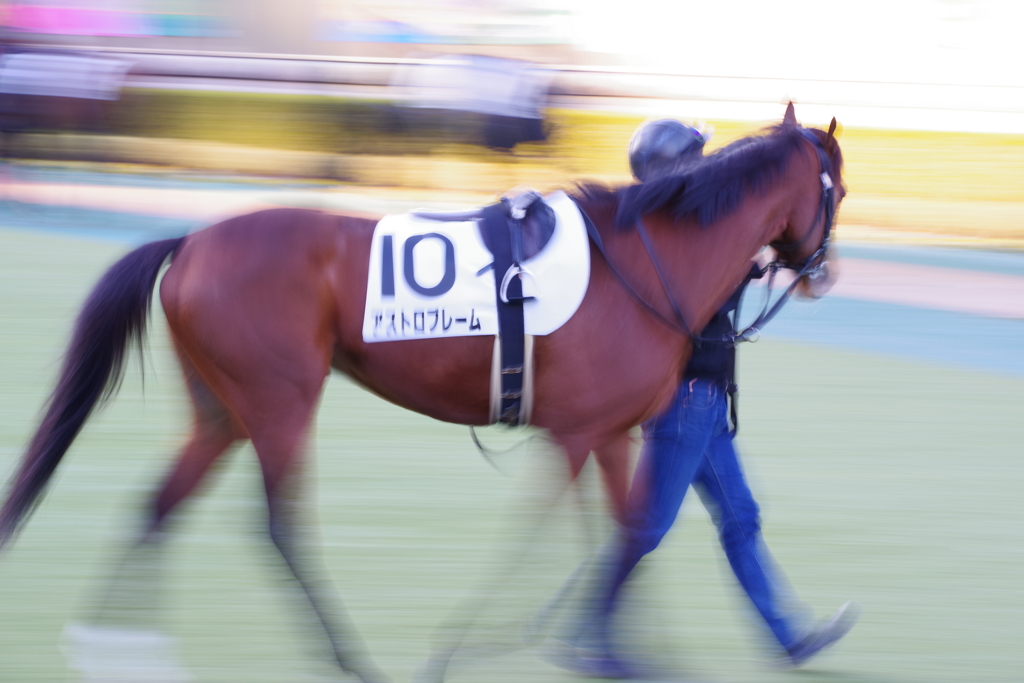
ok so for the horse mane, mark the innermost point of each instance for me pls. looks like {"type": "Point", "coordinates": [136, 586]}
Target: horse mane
{"type": "Point", "coordinates": [712, 186]}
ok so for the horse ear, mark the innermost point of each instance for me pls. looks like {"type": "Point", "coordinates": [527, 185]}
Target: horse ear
{"type": "Point", "coordinates": [790, 117]}
{"type": "Point", "coordinates": [830, 139]}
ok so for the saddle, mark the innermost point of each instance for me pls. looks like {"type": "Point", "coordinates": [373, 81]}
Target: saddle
{"type": "Point", "coordinates": [514, 231]}
{"type": "Point", "coordinates": [535, 227]}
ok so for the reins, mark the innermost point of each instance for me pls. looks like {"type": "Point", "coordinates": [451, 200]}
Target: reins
{"type": "Point", "coordinates": [680, 324]}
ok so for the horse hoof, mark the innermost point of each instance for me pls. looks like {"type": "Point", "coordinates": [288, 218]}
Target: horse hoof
{"type": "Point", "coordinates": [122, 655]}
{"type": "Point", "coordinates": [376, 677]}
{"type": "Point", "coordinates": [431, 671]}
{"type": "Point", "coordinates": [366, 673]}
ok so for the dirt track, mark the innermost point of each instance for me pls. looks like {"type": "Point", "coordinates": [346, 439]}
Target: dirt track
{"type": "Point", "coordinates": [924, 286]}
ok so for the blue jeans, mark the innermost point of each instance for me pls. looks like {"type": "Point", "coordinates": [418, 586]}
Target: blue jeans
{"type": "Point", "coordinates": [690, 443]}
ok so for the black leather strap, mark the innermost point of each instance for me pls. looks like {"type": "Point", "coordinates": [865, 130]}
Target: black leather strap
{"type": "Point", "coordinates": [511, 323]}
{"type": "Point", "coordinates": [595, 237]}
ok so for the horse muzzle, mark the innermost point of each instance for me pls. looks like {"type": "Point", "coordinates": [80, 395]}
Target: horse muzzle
{"type": "Point", "coordinates": [819, 281]}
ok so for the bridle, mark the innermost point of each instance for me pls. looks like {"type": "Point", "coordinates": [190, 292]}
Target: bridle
{"type": "Point", "coordinates": [826, 209]}
{"type": "Point", "coordinates": [813, 267]}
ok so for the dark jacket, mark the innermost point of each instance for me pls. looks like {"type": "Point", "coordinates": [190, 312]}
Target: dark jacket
{"type": "Point", "coordinates": [714, 358]}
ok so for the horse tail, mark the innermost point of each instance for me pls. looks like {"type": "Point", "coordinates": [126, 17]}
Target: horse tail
{"type": "Point", "coordinates": [113, 317]}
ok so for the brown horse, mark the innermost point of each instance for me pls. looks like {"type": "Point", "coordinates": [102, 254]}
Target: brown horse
{"type": "Point", "coordinates": [261, 307]}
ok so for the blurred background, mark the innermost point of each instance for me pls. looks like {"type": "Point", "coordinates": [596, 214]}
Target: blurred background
{"type": "Point", "coordinates": [882, 428]}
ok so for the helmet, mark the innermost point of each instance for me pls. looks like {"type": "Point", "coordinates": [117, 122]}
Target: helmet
{"type": "Point", "coordinates": [659, 148]}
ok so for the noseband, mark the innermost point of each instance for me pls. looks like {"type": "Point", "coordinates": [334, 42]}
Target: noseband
{"type": "Point", "coordinates": [812, 267]}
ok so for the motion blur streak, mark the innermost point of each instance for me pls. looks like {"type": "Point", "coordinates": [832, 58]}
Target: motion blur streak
{"type": "Point", "coordinates": [881, 424]}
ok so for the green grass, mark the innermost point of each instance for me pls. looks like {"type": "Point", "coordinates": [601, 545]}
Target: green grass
{"type": "Point", "coordinates": [887, 481]}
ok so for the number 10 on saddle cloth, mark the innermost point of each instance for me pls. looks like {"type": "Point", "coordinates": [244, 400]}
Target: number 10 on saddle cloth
{"type": "Point", "coordinates": [431, 278]}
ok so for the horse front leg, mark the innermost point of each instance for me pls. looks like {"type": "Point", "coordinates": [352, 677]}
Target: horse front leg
{"type": "Point", "coordinates": [281, 448]}
{"type": "Point", "coordinates": [614, 460]}
{"type": "Point", "coordinates": [467, 637]}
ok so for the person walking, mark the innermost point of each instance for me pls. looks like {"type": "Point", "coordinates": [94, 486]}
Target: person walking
{"type": "Point", "coordinates": [692, 443]}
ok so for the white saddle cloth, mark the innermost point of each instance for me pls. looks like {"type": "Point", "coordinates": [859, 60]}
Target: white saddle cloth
{"type": "Point", "coordinates": [431, 278]}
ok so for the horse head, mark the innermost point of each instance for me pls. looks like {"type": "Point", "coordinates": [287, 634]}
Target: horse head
{"type": "Point", "coordinates": [805, 245]}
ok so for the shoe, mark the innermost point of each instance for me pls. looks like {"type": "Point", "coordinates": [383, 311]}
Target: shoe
{"type": "Point", "coordinates": [823, 635]}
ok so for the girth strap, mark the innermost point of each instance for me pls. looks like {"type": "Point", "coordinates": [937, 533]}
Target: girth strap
{"type": "Point", "coordinates": [505, 246]}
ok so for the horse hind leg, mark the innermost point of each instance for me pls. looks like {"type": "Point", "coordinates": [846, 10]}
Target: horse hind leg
{"type": "Point", "coordinates": [123, 631]}
{"type": "Point", "coordinates": [214, 431]}
{"type": "Point", "coordinates": [281, 446]}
